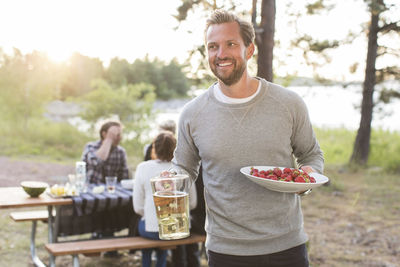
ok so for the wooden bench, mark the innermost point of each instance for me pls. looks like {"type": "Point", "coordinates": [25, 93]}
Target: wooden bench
{"type": "Point", "coordinates": [34, 217]}
{"type": "Point", "coordinates": [125, 243]}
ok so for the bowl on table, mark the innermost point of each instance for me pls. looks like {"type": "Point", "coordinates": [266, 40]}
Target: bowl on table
{"type": "Point", "coordinates": [34, 188]}
{"type": "Point", "coordinates": [127, 184]}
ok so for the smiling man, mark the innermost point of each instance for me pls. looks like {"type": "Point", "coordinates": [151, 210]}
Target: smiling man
{"type": "Point", "coordinates": [246, 121]}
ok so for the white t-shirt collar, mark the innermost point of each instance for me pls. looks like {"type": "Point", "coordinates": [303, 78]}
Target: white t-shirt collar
{"type": "Point", "coordinates": [221, 97]}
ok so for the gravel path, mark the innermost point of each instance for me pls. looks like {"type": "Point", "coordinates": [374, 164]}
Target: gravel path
{"type": "Point", "coordinates": [13, 171]}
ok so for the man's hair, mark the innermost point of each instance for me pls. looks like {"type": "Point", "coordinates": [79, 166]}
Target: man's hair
{"type": "Point", "coordinates": [106, 126]}
{"type": "Point", "coordinates": [164, 145]}
{"type": "Point", "coordinates": [220, 16]}
{"type": "Point", "coordinates": [168, 125]}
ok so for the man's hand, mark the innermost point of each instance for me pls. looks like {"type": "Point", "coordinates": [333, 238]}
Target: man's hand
{"type": "Point", "coordinates": [306, 169]}
{"type": "Point", "coordinates": [111, 138]}
{"type": "Point", "coordinates": [114, 135]}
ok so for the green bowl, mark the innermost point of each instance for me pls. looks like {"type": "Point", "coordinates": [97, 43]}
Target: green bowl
{"type": "Point", "coordinates": [34, 188]}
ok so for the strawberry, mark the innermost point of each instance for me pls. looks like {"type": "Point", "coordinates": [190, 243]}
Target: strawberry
{"type": "Point", "coordinates": [287, 170]}
{"type": "Point", "coordinates": [277, 172]}
{"type": "Point", "coordinates": [295, 173]}
{"type": "Point", "coordinates": [289, 178]}
{"type": "Point", "coordinates": [272, 177]}
{"type": "Point", "coordinates": [299, 179]}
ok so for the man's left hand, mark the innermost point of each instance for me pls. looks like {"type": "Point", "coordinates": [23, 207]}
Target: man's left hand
{"type": "Point", "coordinates": [306, 169]}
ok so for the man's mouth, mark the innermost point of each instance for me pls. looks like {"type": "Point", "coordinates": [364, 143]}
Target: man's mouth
{"type": "Point", "coordinates": [224, 64]}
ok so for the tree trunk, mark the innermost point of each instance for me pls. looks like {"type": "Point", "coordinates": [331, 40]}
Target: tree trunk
{"type": "Point", "coordinates": [265, 39]}
{"type": "Point", "coordinates": [361, 145]}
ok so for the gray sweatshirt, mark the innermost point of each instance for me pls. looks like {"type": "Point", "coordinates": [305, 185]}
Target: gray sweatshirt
{"type": "Point", "coordinates": [244, 218]}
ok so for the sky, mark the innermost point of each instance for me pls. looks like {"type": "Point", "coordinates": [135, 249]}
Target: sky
{"type": "Point", "coordinates": [132, 29]}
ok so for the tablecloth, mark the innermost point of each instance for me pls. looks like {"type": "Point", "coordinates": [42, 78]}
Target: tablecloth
{"type": "Point", "coordinates": [90, 212]}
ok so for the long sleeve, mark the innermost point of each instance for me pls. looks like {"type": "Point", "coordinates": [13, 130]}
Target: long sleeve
{"type": "Point", "coordinates": [304, 143]}
{"type": "Point", "coordinates": [138, 194]}
{"type": "Point", "coordinates": [94, 165]}
{"type": "Point", "coordinates": [186, 156]}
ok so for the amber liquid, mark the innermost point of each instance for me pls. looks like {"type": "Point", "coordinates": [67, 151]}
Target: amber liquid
{"type": "Point", "coordinates": [172, 210]}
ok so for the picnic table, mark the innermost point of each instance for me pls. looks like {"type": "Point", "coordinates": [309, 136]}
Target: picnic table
{"type": "Point", "coordinates": [86, 213]}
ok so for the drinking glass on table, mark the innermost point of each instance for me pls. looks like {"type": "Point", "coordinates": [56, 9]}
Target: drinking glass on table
{"type": "Point", "coordinates": [111, 182]}
{"type": "Point", "coordinates": [171, 199]}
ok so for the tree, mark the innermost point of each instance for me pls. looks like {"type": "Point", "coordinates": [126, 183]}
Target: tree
{"type": "Point", "coordinates": [81, 70]}
{"type": "Point", "coordinates": [131, 104]}
{"type": "Point", "coordinates": [169, 80]}
{"type": "Point", "coordinates": [264, 30]}
{"type": "Point", "coordinates": [119, 72]}
{"type": "Point", "coordinates": [27, 83]}
{"type": "Point", "coordinates": [379, 25]}
{"type": "Point", "coordinates": [383, 24]}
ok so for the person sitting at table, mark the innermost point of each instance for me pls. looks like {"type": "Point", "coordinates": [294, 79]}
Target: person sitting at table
{"type": "Point", "coordinates": [106, 157]}
{"type": "Point", "coordinates": [162, 149]}
{"type": "Point", "coordinates": [168, 125]}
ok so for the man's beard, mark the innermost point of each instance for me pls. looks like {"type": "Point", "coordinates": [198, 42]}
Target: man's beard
{"type": "Point", "coordinates": [234, 77]}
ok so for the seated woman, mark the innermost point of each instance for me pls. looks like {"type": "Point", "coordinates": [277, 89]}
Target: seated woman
{"type": "Point", "coordinates": [162, 154]}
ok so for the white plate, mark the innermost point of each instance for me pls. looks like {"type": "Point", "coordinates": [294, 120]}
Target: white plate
{"type": "Point", "coordinates": [281, 186]}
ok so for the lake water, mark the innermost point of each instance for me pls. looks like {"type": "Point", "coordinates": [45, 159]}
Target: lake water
{"type": "Point", "coordinates": [328, 106]}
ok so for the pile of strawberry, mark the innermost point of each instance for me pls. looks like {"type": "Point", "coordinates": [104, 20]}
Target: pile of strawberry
{"type": "Point", "coordinates": [286, 175]}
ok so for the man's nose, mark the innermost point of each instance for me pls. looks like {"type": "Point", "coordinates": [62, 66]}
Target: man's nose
{"type": "Point", "coordinates": [221, 52]}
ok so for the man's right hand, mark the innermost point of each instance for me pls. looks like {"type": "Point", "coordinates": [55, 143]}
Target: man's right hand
{"type": "Point", "coordinates": [114, 134]}
{"type": "Point", "coordinates": [112, 138]}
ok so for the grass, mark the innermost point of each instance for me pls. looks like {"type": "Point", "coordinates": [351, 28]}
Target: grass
{"type": "Point", "coordinates": [54, 142]}
{"type": "Point", "coordinates": [337, 145]}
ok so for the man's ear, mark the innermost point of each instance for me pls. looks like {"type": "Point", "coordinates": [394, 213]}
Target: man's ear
{"type": "Point", "coordinates": [250, 51]}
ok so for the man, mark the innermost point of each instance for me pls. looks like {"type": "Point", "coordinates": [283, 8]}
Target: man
{"type": "Point", "coordinates": [105, 157]}
{"type": "Point", "coordinates": [246, 121]}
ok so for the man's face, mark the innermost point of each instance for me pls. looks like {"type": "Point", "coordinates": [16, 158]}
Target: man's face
{"type": "Point", "coordinates": [227, 54]}
{"type": "Point", "coordinates": [118, 137]}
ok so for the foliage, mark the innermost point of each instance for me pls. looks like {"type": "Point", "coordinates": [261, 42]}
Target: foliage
{"type": "Point", "coordinates": [385, 150]}
{"type": "Point", "coordinates": [80, 71]}
{"type": "Point", "coordinates": [57, 141]}
{"type": "Point", "coordinates": [169, 80]}
{"type": "Point", "coordinates": [27, 83]}
{"type": "Point", "coordinates": [337, 147]}
{"type": "Point", "coordinates": [119, 73]}
{"type": "Point", "coordinates": [131, 104]}
{"type": "Point", "coordinates": [336, 144]}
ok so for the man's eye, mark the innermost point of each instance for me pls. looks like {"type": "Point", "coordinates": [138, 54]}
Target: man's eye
{"type": "Point", "coordinates": [231, 44]}
{"type": "Point", "coordinates": [211, 47]}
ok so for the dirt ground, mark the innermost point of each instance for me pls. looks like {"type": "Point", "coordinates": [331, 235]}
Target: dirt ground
{"type": "Point", "coordinates": [351, 225]}
{"type": "Point", "coordinates": [12, 172]}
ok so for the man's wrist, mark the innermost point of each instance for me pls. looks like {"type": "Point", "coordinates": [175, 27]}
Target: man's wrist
{"type": "Point", "coordinates": [305, 192]}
